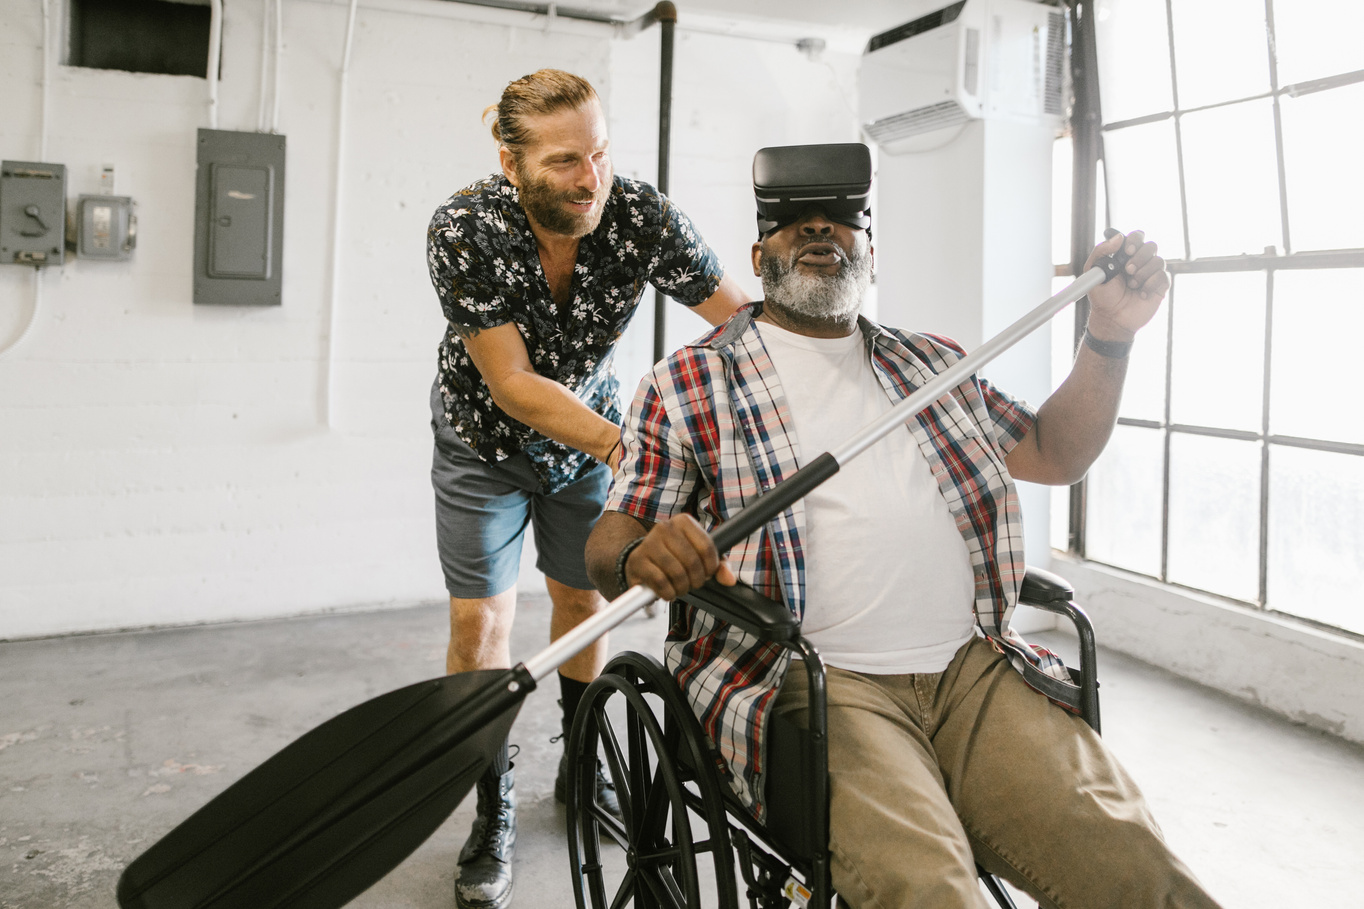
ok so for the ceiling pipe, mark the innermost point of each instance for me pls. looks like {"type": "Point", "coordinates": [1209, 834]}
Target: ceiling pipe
{"type": "Point", "coordinates": [264, 62]}
{"type": "Point", "coordinates": [275, 75]}
{"type": "Point", "coordinates": [334, 290]}
{"type": "Point", "coordinates": [215, 41]}
{"type": "Point", "coordinates": [667, 20]}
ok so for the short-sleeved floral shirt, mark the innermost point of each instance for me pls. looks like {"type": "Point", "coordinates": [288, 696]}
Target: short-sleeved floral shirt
{"type": "Point", "coordinates": [485, 266]}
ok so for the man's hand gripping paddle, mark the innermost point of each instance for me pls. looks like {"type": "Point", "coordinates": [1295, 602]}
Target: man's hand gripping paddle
{"type": "Point", "coordinates": [336, 810]}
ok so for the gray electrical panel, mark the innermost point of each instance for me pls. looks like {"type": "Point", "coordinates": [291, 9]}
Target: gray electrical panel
{"type": "Point", "coordinates": [239, 218]}
{"type": "Point", "coordinates": [32, 213]}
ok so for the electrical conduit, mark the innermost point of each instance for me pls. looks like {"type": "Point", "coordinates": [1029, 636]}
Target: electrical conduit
{"type": "Point", "coordinates": [328, 389]}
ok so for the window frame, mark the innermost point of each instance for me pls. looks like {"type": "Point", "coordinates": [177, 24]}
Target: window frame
{"type": "Point", "coordinates": [1087, 132]}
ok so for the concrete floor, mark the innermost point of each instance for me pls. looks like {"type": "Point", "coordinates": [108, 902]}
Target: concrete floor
{"type": "Point", "coordinates": [108, 741]}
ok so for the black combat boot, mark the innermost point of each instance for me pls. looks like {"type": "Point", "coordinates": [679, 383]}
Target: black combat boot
{"type": "Point", "coordinates": [485, 862]}
{"type": "Point", "coordinates": [605, 790]}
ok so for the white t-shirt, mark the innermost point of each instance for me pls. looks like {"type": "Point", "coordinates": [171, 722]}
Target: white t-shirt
{"type": "Point", "coordinates": [889, 587]}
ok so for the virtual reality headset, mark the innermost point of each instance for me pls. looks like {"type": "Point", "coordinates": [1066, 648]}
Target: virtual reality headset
{"type": "Point", "coordinates": [790, 179]}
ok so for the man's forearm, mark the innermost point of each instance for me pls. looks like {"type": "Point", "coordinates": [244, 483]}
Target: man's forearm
{"type": "Point", "coordinates": [613, 531]}
{"type": "Point", "coordinates": [1074, 424]}
{"type": "Point", "coordinates": [552, 410]}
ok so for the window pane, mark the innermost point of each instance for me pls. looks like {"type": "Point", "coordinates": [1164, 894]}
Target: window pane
{"type": "Point", "coordinates": [1320, 38]}
{"type": "Point", "coordinates": [1123, 501]}
{"type": "Point", "coordinates": [1221, 51]}
{"type": "Point", "coordinates": [1143, 394]}
{"type": "Point", "coordinates": [1143, 183]}
{"type": "Point", "coordinates": [1218, 352]}
{"type": "Point", "coordinates": [1131, 36]}
{"type": "Point", "coordinates": [1215, 515]}
{"type": "Point", "coordinates": [1318, 321]}
{"type": "Point", "coordinates": [1323, 134]}
{"type": "Point", "coordinates": [1316, 540]}
{"type": "Point", "coordinates": [1231, 177]}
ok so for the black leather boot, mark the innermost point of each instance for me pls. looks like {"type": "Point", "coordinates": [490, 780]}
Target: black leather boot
{"type": "Point", "coordinates": [485, 862]}
{"type": "Point", "coordinates": [605, 791]}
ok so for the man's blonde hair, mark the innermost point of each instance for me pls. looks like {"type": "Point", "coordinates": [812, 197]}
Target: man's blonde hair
{"type": "Point", "coordinates": [545, 91]}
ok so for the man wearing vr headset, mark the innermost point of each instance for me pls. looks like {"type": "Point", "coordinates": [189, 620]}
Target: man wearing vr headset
{"type": "Point", "coordinates": [538, 270]}
{"type": "Point", "coordinates": [904, 567]}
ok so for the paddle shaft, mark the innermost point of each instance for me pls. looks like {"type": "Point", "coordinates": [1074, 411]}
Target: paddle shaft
{"type": "Point", "coordinates": [782, 496]}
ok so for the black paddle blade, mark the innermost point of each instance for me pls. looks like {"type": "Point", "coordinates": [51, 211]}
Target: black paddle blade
{"type": "Point", "coordinates": [336, 810]}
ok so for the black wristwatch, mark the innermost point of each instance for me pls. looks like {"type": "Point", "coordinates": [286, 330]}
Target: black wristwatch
{"type": "Point", "coordinates": [1114, 349]}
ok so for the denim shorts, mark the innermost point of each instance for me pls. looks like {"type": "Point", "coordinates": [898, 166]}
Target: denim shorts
{"type": "Point", "coordinates": [482, 511]}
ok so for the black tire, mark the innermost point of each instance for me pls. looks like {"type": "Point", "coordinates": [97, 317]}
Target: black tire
{"type": "Point", "coordinates": [668, 791]}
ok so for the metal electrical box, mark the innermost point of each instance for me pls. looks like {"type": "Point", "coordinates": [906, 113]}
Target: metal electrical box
{"type": "Point", "coordinates": [32, 213]}
{"type": "Point", "coordinates": [239, 218]}
{"type": "Point", "coordinates": [105, 227]}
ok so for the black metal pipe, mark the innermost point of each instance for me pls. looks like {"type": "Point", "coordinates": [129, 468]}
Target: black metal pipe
{"type": "Point", "coordinates": [1086, 126]}
{"type": "Point", "coordinates": [667, 20]}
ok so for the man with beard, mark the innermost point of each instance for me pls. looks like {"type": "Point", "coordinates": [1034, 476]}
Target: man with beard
{"type": "Point", "coordinates": [903, 567]}
{"type": "Point", "coordinates": [538, 270]}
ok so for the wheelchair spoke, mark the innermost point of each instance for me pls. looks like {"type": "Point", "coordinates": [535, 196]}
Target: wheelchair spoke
{"type": "Point", "coordinates": [665, 888]}
{"type": "Point", "coordinates": [656, 804]}
{"type": "Point", "coordinates": [639, 777]}
{"type": "Point", "coordinates": [626, 892]}
{"type": "Point", "coordinates": [615, 762]}
{"type": "Point", "coordinates": [607, 824]}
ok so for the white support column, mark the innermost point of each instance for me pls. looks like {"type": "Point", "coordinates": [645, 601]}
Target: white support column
{"type": "Point", "coordinates": [963, 248]}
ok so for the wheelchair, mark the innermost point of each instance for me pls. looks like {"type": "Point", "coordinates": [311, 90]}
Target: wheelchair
{"type": "Point", "coordinates": [684, 833]}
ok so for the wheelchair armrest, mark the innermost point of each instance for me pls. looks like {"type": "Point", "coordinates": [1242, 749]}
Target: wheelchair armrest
{"type": "Point", "coordinates": [1041, 588]}
{"type": "Point", "coordinates": [1053, 593]}
{"type": "Point", "coordinates": [743, 606]}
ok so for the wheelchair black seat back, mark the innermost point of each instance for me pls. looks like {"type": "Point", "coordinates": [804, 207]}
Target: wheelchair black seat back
{"type": "Point", "coordinates": [684, 834]}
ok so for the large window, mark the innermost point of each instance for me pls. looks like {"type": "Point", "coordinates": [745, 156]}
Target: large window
{"type": "Point", "coordinates": [1233, 133]}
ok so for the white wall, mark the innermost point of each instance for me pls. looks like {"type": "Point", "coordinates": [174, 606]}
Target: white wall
{"type": "Point", "coordinates": [1309, 676]}
{"type": "Point", "coordinates": [162, 463]}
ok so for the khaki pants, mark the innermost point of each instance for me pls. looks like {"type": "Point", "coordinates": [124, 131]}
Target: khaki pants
{"type": "Point", "coordinates": [931, 773]}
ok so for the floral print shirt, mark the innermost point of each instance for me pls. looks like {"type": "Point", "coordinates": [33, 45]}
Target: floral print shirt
{"type": "Point", "coordinates": [485, 266]}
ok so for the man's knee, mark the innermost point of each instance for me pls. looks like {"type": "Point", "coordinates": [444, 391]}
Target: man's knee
{"type": "Point", "coordinates": [478, 619]}
{"type": "Point", "coordinates": [573, 603]}
{"type": "Point", "coordinates": [912, 874]}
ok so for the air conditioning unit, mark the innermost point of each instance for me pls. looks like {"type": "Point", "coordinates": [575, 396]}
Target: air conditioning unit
{"type": "Point", "coordinates": [975, 59]}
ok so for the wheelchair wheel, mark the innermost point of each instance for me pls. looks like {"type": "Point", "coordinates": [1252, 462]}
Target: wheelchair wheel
{"type": "Point", "coordinates": [672, 811]}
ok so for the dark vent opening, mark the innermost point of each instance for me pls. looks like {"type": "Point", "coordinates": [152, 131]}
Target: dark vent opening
{"type": "Point", "coordinates": [140, 36]}
{"type": "Point", "coordinates": [918, 26]}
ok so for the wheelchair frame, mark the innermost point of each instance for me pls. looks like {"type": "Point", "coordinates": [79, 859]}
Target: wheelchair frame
{"type": "Point", "coordinates": [667, 773]}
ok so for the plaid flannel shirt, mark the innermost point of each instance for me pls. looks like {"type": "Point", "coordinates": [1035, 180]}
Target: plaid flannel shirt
{"type": "Point", "coordinates": [707, 433]}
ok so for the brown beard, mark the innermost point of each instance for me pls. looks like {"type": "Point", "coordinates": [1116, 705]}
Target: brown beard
{"type": "Point", "coordinates": [545, 205]}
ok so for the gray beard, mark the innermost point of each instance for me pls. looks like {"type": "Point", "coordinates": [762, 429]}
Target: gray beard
{"type": "Point", "coordinates": [817, 298]}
